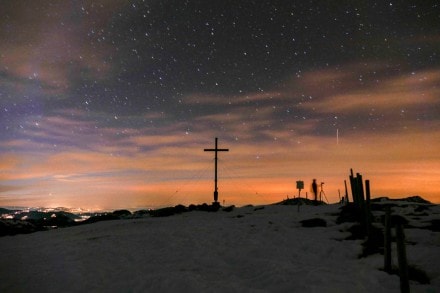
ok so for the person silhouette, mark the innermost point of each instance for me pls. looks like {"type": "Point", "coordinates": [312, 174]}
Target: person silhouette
{"type": "Point", "coordinates": [315, 189]}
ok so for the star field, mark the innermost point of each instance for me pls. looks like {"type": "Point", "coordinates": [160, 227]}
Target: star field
{"type": "Point", "coordinates": [109, 104]}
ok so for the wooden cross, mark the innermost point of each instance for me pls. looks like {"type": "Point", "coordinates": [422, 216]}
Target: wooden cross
{"type": "Point", "coordinates": [216, 149]}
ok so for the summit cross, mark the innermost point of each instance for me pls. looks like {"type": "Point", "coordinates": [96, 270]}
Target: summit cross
{"type": "Point", "coordinates": [215, 150]}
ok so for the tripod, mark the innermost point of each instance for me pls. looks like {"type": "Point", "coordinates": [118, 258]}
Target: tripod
{"type": "Point", "coordinates": [321, 193]}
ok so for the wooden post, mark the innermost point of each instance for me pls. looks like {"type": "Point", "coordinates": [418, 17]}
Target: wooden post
{"type": "Point", "coordinates": [346, 192]}
{"type": "Point", "coordinates": [353, 187]}
{"type": "Point", "coordinates": [387, 241]}
{"type": "Point", "coordinates": [367, 193]}
{"type": "Point", "coordinates": [360, 187]}
{"type": "Point", "coordinates": [360, 197]}
{"type": "Point", "coordinates": [401, 254]}
{"type": "Point", "coordinates": [367, 207]}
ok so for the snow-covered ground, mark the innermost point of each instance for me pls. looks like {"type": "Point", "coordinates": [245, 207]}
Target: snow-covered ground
{"type": "Point", "coordinates": [250, 249]}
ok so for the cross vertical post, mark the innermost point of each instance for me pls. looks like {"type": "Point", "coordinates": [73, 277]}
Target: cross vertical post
{"type": "Point", "coordinates": [215, 150]}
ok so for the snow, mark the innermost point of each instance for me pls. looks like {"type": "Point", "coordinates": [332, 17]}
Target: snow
{"type": "Point", "coordinates": [250, 249]}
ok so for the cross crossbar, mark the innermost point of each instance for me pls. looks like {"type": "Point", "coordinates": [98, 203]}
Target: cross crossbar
{"type": "Point", "coordinates": [216, 150]}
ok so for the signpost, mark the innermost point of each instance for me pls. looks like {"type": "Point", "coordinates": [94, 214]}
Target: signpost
{"type": "Point", "coordinates": [299, 186]}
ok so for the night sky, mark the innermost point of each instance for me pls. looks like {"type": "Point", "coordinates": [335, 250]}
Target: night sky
{"type": "Point", "coordinates": [109, 104]}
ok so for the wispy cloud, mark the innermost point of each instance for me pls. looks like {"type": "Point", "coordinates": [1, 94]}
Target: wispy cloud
{"type": "Point", "coordinates": [54, 50]}
{"type": "Point", "coordinates": [417, 89]}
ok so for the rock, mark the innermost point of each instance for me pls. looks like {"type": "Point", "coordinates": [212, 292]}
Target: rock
{"type": "Point", "coordinates": [168, 211]}
{"type": "Point", "coordinates": [122, 213]}
{"type": "Point", "coordinates": [229, 208]}
{"type": "Point", "coordinates": [348, 213]}
{"type": "Point", "coordinates": [141, 213]}
{"type": "Point", "coordinates": [300, 201]}
{"type": "Point", "coordinates": [435, 225]}
{"type": "Point", "coordinates": [315, 222]}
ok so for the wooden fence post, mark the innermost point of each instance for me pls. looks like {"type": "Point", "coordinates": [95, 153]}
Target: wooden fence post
{"type": "Point", "coordinates": [367, 207]}
{"type": "Point", "coordinates": [401, 254]}
{"type": "Point", "coordinates": [360, 187]}
{"type": "Point", "coordinates": [387, 241]}
{"type": "Point", "coordinates": [353, 187]}
{"type": "Point", "coordinates": [367, 193]}
{"type": "Point", "coordinates": [346, 192]}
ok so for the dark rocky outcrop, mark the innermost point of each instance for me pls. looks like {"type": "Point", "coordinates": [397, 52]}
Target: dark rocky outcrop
{"type": "Point", "coordinates": [348, 213]}
{"type": "Point", "coordinates": [315, 222]}
{"type": "Point", "coordinates": [168, 211]}
{"type": "Point", "coordinates": [122, 213]}
{"type": "Point", "coordinates": [411, 199]}
{"type": "Point", "coordinates": [435, 225]}
{"type": "Point", "coordinates": [300, 201]}
{"type": "Point", "coordinates": [229, 208]}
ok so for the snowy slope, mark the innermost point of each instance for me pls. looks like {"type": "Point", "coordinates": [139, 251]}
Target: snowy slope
{"type": "Point", "coordinates": [247, 250]}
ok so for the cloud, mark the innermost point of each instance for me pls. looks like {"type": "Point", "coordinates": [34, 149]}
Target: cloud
{"type": "Point", "coordinates": [8, 162]}
{"type": "Point", "coordinates": [357, 97]}
{"type": "Point", "coordinates": [49, 48]}
{"type": "Point", "coordinates": [8, 188]}
{"type": "Point", "coordinates": [401, 92]}
{"type": "Point", "coordinates": [234, 100]}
